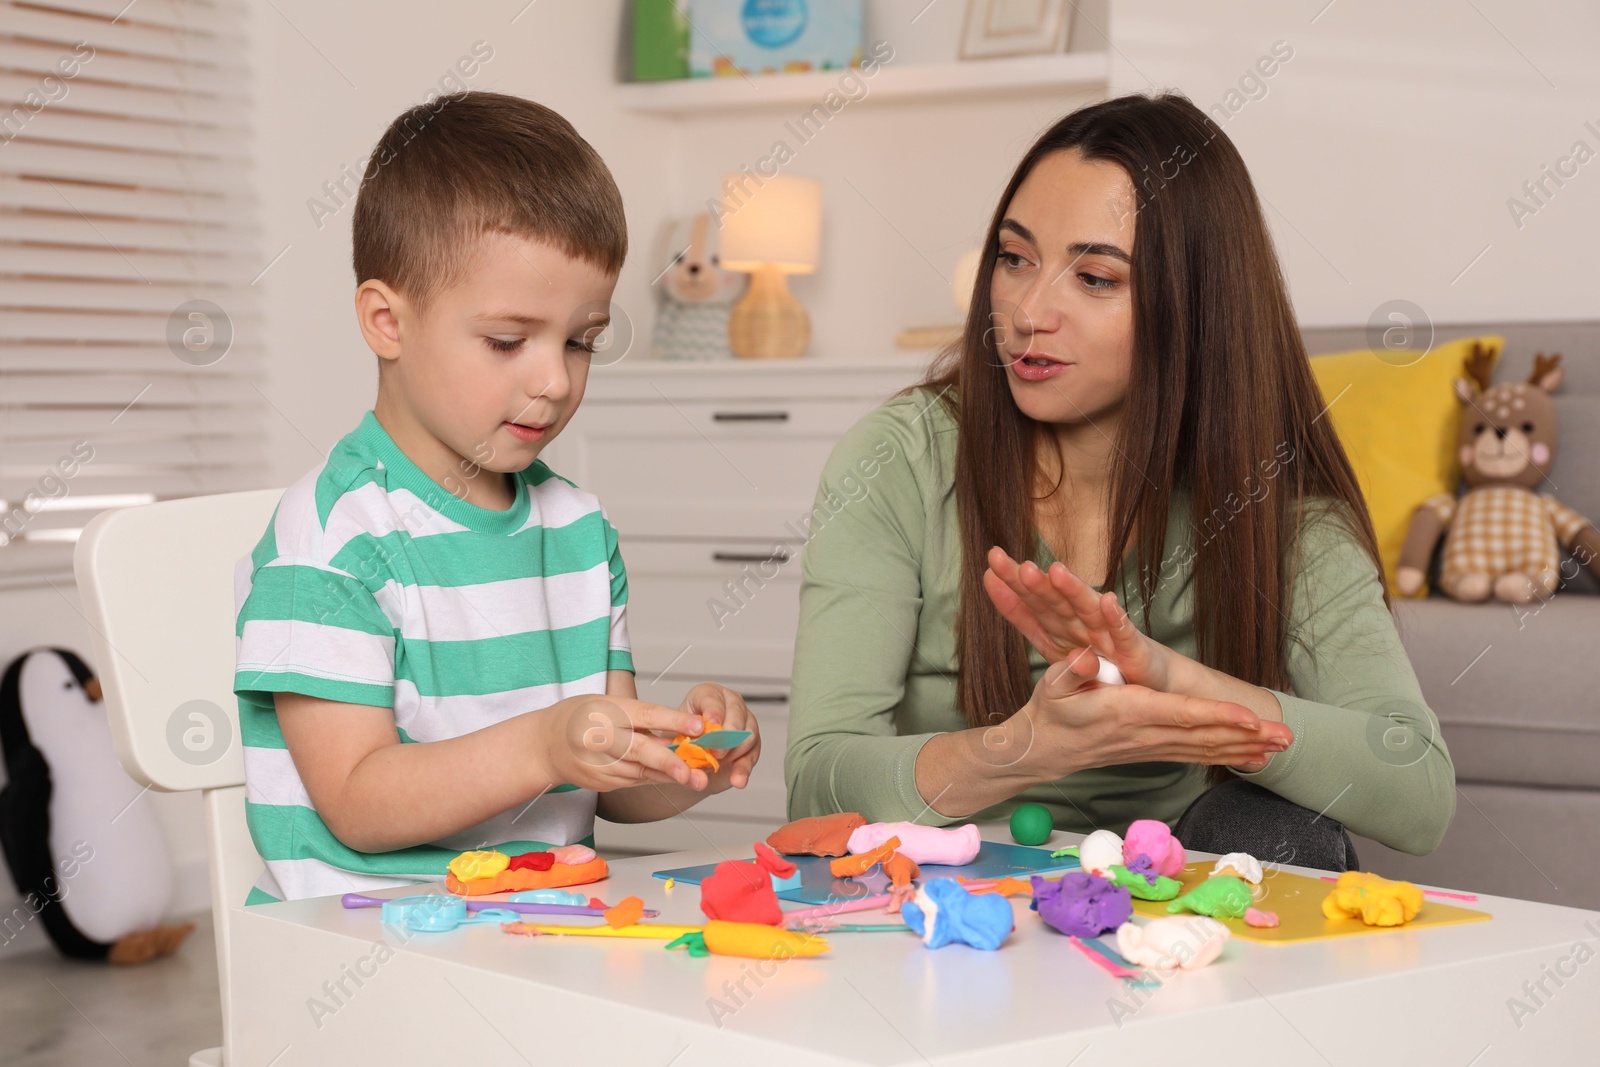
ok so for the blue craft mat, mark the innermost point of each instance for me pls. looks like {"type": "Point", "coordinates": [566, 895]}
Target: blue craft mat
{"type": "Point", "coordinates": [995, 859]}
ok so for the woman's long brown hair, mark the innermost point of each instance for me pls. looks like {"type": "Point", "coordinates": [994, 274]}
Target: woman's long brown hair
{"type": "Point", "coordinates": [1220, 387]}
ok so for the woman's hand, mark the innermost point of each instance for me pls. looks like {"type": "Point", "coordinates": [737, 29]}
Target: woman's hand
{"type": "Point", "coordinates": [1059, 613]}
{"type": "Point", "coordinates": [722, 708]}
{"type": "Point", "coordinates": [1071, 724]}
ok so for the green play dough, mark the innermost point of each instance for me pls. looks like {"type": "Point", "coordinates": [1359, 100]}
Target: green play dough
{"type": "Point", "coordinates": [1164, 889]}
{"type": "Point", "coordinates": [1221, 897]}
{"type": "Point", "coordinates": [1031, 824]}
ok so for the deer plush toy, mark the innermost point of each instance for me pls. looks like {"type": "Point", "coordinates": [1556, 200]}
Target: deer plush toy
{"type": "Point", "coordinates": [1504, 539]}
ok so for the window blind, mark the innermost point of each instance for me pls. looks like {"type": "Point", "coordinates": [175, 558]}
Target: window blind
{"type": "Point", "coordinates": [129, 245]}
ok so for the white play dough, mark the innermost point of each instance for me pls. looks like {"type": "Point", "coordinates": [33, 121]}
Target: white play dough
{"type": "Point", "coordinates": [1174, 943]}
{"type": "Point", "coordinates": [1109, 673]}
{"type": "Point", "coordinates": [1242, 864]}
{"type": "Point", "coordinates": [1099, 851]}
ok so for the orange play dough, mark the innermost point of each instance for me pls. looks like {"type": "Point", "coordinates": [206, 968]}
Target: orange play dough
{"type": "Point", "coordinates": [509, 881]}
{"type": "Point", "coordinates": [625, 912]}
{"type": "Point", "coordinates": [901, 869]}
{"type": "Point", "coordinates": [862, 862]}
{"type": "Point", "coordinates": [692, 754]}
{"type": "Point", "coordinates": [817, 835]}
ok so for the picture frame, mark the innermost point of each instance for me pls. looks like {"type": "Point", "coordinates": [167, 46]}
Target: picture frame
{"type": "Point", "coordinates": [998, 28]}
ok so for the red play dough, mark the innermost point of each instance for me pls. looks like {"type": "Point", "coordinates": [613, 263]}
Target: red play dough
{"type": "Point", "coordinates": [741, 890]}
{"type": "Point", "coordinates": [819, 835]}
{"type": "Point", "coordinates": [532, 861]}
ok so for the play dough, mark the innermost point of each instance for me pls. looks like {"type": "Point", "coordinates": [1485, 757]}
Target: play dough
{"type": "Point", "coordinates": [1223, 896]}
{"type": "Point", "coordinates": [1148, 837]}
{"type": "Point", "coordinates": [948, 847]}
{"type": "Point", "coordinates": [572, 855]}
{"type": "Point", "coordinates": [1099, 851]}
{"type": "Point", "coordinates": [1375, 901]}
{"type": "Point", "coordinates": [484, 863]}
{"type": "Point", "coordinates": [1172, 944]}
{"type": "Point", "coordinates": [819, 835]}
{"type": "Point", "coordinates": [750, 940]}
{"type": "Point", "coordinates": [509, 881]}
{"type": "Point", "coordinates": [741, 890]}
{"type": "Point", "coordinates": [692, 754]}
{"type": "Point", "coordinates": [944, 913]}
{"type": "Point", "coordinates": [1081, 904]}
{"type": "Point", "coordinates": [1241, 864]}
{"type": "Point", "coordinates": [862, 862]}
{"type": "Point", "coordinates": [1144, 885]}
{"type": "Point", "coordinates": [1031, 824]}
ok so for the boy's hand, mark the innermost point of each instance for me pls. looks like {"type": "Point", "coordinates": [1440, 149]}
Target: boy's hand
{"type": "Point", "coordinates": [605, 743]}
{"type": "Point", "coordinates": [722, 708]}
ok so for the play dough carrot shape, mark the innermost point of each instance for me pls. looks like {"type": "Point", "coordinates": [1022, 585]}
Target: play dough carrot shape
{"type": "Point", "coordinates": [862, 862]}
{"type": "Point", "coordinates": [693, 755]}
{"type": "Point", "coordinates": [755, 941]}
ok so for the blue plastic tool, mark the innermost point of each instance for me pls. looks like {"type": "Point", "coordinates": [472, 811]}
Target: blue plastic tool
{"type": "Point", "coordinates": [720, 739]}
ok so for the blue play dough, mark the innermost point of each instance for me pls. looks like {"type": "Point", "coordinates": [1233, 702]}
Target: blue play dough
{"type": "Point", "coordinates": [980, 920]}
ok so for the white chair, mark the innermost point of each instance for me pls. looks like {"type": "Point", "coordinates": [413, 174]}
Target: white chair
{"type": "Point", "coordinates": [157, 585]}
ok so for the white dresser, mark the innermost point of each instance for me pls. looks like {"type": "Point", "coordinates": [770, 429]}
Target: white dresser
{"type": "Point", "coordinates": [709, 471]}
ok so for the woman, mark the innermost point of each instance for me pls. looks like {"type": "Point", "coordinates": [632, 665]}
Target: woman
{"type": "Point", "coordinates": [1131, 402]}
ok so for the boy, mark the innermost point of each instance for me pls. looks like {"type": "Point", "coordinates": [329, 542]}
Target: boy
{"type": "Point", "coordinates": [432, 645]}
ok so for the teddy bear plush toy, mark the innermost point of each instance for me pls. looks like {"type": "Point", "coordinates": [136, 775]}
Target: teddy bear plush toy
{"type": "Point", "coordinates": [1502, 538]}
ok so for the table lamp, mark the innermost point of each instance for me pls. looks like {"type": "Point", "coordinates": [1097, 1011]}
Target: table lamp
{"type": "Point", "coordinates": [770, 231]}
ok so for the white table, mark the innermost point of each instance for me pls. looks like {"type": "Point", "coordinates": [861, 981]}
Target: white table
{"type": "Point", "coordinates": [482, 997]}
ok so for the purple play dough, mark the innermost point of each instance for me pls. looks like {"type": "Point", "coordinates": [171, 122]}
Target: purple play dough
{"type": "Point", "coordinates": [1081, 903]}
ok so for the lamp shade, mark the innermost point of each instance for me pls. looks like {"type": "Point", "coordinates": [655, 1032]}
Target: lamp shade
{"type": "Point", "coordinates": [777, 223]}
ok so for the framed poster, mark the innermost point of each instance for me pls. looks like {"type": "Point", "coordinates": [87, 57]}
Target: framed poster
{"type": "Point", "coordinates": [1014, 28]}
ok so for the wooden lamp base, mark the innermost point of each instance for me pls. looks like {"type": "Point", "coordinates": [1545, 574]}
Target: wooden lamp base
{"type": "Point", "coordinates": [768, 322]}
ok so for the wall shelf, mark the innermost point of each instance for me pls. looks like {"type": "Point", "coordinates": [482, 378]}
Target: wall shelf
{"type": "Point", "coordinates": [922, 81]}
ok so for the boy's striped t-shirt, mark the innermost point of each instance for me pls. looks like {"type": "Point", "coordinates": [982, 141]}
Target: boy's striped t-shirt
{"type": "Point", "coordinates": [374, 585]}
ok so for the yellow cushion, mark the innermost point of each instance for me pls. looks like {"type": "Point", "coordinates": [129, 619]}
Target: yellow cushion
{"type": "Point", "coordinates": [1398, 424]}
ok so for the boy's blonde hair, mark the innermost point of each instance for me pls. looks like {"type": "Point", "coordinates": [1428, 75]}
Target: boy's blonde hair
{"type": "Point", "coordinates": [468, 164]}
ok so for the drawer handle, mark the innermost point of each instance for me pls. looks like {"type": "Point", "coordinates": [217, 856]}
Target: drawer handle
{"type": "Point", "coordinates": [749, 416]}
{"type": "Point", "coordinates": [750, 557]}
{"type": "Point", "coordinates": [766, 698]}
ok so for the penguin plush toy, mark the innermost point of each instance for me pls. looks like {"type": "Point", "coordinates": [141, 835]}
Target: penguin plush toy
{"type": "Point", "coordinates": [88, 858]}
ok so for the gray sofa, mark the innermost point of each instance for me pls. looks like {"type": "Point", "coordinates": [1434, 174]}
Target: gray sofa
{"type": "Point", "coordinates": [1517, 691]}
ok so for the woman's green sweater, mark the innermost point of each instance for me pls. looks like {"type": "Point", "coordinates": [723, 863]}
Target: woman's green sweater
{"type": "Point", "coordinates": [875, 665]}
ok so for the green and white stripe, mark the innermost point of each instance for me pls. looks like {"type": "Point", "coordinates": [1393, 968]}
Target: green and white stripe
{"type": "Point", "coordinates": [373, 585]}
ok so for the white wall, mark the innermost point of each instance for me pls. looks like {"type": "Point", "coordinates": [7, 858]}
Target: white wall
{"type": "Point", "coordinates": [1388, 146]}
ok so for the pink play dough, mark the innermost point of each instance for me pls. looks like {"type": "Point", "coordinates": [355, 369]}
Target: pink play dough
{"type": "Point", "coordinates": [1156, 841]}
{"type": "Point", "coordinates": [949, 847]}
